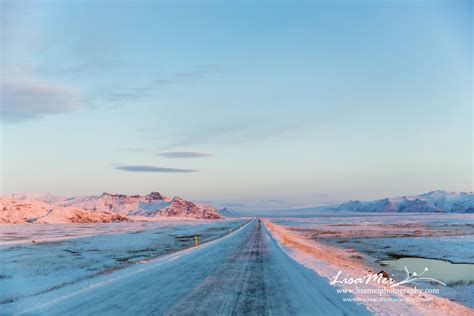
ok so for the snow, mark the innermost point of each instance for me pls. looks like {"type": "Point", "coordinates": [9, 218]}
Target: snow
{"type": "Point", "coordinates": [244, 272]}
{"type": "Point", "coordinates": [358, 242]}
{"type": "Point", "coordinates": [60, 269]}
{"type": "Point", "coordinates": [43, 197]}
{"type": "Point", "coordinates": [28, 268]}
{"type": "Point", "coordinates": [435, 201]}
{"type": "Point", "coordinates": [37, 212]}
{"type": "Point", "coordinates": [45, 208]}
{"type": "Point", "coordinates": [117, 203]}
{"type": "Point", "coordinates": [149, 208]}
{"type": "Point", "coordinates": [153, 267]}
{"type": "Point", "coordinates": [431, 202]}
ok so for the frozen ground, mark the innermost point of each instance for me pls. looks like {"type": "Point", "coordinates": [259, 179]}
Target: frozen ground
{"type": "Point", "coordinates": [26, 233]}
{"type": "Point", "coordinates": [240, 267]}
{"type": "Point", "coordinates": [376, 237]}
{"type": "Point", "coordinates": [245, 272]}
{"type": "Point", "coordinates": [65, 254]}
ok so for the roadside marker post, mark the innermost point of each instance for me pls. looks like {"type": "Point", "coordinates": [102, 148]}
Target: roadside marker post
{"type": "Point", "coordinates": [196, 241]}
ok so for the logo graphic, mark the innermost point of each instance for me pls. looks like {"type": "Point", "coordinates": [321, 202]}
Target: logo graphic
{"type": "Point", "coordinates": [414, 277]}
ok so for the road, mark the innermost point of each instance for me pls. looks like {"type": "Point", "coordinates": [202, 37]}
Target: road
{"type": "Point", "coordinates": [243, 273]}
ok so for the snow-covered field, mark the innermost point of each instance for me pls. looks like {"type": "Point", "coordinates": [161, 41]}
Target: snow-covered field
{"type": "Point", "coordinates": [277, 266]}
{"type": "Point", "coordinates": [27, 233]}
{"type": "Point", "coordinates": [244, 272]}
{"type": "Point", "coordinates": [36, 259]}
{"type": "Point", "coordinates": [372, 238]}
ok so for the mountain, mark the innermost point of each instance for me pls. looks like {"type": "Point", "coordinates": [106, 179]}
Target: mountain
{"type": "Point", "coordinates": [228, 212]}
{"type": "Point", "coordinates": [118, 203]}
{"type": "Point", "coordinates": [432, 202]}
{"type": "Point", "coordinates": [46, 208]}
{"type": "Point", "coordinates": [151, 205]}
{"type": "Point", "coordinates": [43, 197]}
{"type": "Point", "coordinates": [383, 205]}
{"type": "Point", "coordinates": [33, 211]}
{"type": "Point", "coordinates": [182, 208]}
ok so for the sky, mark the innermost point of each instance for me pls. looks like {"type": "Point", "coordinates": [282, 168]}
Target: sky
{"type": "Point", "coordinates": [250, 105]}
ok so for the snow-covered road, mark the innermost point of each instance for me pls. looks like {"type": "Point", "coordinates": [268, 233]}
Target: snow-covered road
{"type": "Point", "coordinates": [243, 273]}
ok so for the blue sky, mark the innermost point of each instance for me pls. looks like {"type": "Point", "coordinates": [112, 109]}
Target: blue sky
{"type": "Point", "coordinates": [251, 105]}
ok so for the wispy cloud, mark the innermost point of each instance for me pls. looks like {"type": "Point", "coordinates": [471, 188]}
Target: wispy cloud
{"type": "Point", "coordinates": [91, 65]}
{"type": "Point", "coordinates": [184, 154]}
{"type": "Point", "coordinates": [238, 132]}
{"type": "Point", "coordinates": [25, 99]}
{"type": "Point", "coordinates": [176, 78]}
{"type": "Point", "coordinates": [133, 168]}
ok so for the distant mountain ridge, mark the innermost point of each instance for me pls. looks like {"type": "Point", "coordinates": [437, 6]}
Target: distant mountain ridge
{"type": "Point", "coordinates": [107, 207]}
{"type": "Point", "coordinates": [31, 207]}
{"type": "Point", "coordinates": [431, 202]}
{"type": "Point", "coordinates": [37, 212]}
{"type": "Point", "coordinates": [228, 212]}
{"type": "Point", "coordinates": [437, 201]}
{"type": "Point", "coordinates": [117, 203]}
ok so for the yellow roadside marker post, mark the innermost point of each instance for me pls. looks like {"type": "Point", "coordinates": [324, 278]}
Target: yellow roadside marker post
{"type": "Point", "coordinates": [196, 241]}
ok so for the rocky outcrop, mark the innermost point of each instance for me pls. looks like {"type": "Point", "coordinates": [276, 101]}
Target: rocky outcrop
{"type": "Point", "coordinates": [154, 196]}
{"type": "Point", "coordinates": [182, 208]}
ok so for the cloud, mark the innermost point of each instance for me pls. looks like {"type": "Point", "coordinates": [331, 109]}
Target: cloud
{"type": "Point", "coordinates": [237, 132]}
{"type": "Point", "coordinates": [91, 65]}
{"type": "Point", "coordinates": [23, 100]}
{"type": "Point", "coordinates": [153, 169]}
{"type": "Point", "coordinates": [177, 78]}
{"type": "Point", "coordinates": [183, 154]}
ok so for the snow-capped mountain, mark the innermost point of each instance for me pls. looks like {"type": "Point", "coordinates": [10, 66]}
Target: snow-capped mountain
{"type": "Point", "coordinates": [46, 208]}
{"type": "Point", "coordinates": [43, 197]}
{"type": "Point", "coordinates": [228, 212]}
{"type": "Point", "coordinates": [182, 208]}
{"type": "Point", "coordinates": [151, 205]}
{"type": "Point", "coordinates": [38, 212]}
{"type": "Point", "coordinates": [434, 201]}
{"type": "Point", "coordinates": [118, 203]}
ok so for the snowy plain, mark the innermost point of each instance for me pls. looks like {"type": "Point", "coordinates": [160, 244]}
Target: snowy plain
{"type": "Point", "coordinates": [372, 238]}
{"type": "Point", "coordinates": [243, 272]}
{"type": "Point", "coordinates": [240, 266]}
{"type": "Point", "coordinates": [36, 259]}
